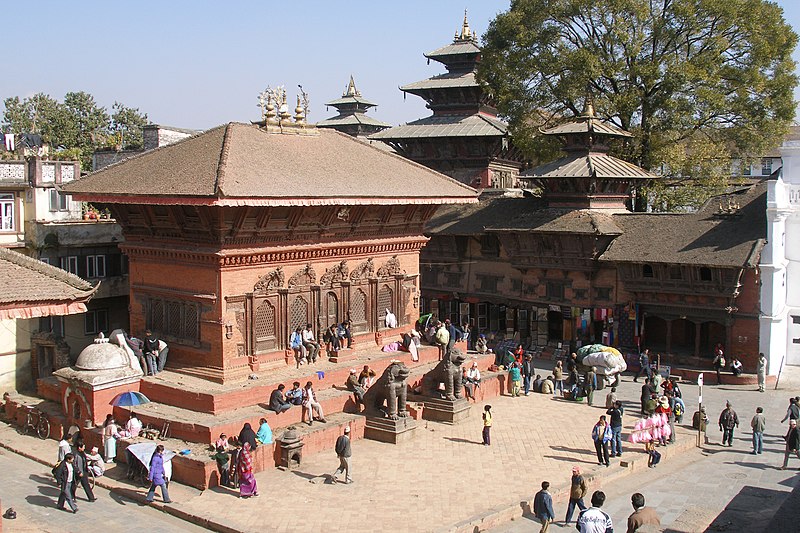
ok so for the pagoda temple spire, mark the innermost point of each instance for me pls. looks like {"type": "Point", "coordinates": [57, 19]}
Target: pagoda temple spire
{"type": "Point", "coordinates": [352, 118]}
{"type": "Point", "coordinates": [587, 177]}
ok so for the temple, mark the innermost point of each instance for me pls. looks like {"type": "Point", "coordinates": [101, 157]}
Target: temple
{"type": "Point", "coordinates": [463, 138]}
{"type": "Point", "coordinates": [240, 234]}
{"type": "Point", "coordinates": [352, 118]}
{"type": "Point", "coordinates": [565, 262]}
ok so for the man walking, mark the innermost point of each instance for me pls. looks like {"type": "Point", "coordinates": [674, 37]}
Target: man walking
{"type": "Point", "coordinates": [577, 491]}
{"type": "Point", "coordinates": [442, 338]}
{"type": "Point", "coordinates": [65, 476]}
{"type": "Point", "coordinates": [80, 466]}
{"type": "Point", "coordinates": [792, 443]}
{"type": "Point", "coordinates": [453, 334]}
{"type": "Point", "coordinates": [727, 422]}
{"type": "Point", "coordinates": [644, 364]}
{"type": "Point", "coordinates": [641, 515]}
{"type": "Point", "coordinates": [594, 519]}
{"type": "Point", "coordinates": [758, 423]}
{"type": "Point", "coordinates": [543, 507]}
{"type": "Point", "coordinates": [344, 452]}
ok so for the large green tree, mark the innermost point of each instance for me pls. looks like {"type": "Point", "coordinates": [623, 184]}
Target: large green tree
{"type": "Point", "coordinates": [689, 78]}
{"type": "Point", "coordinates": [76, 126]}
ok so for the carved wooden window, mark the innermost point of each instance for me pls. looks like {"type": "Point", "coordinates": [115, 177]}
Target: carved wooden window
{"type": "Point", "coordinates": [264, 326]}
{"type": "Point", "coordinates": [385, 301]}
{"type": "Point", "coordinates": [705, 274]}
{"type": "Point", "coordinates": [358, 311]}
{"type": "Point", "coordinates": [647, 271]}
{"type": "Point", "coordinates": [174, 320]}
{"type": "Point", "coordinates": [298, 314]}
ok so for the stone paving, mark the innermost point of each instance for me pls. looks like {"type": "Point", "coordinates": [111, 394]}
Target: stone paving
{"type": "Point", "coordinates": [722, 489]}
{"type": "Point", "coordinates": [445, 480]}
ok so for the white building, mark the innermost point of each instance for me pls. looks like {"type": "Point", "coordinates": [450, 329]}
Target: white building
{"type": "Point", "coordinates": [780, 263]}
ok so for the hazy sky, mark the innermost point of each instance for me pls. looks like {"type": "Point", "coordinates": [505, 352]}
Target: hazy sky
{"type": "Point", "coordinates": [197, 64]}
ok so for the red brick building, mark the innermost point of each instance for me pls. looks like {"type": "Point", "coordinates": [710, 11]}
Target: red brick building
{"type": "Point", "coordinates": [566, 262]}
{"type": "Point", "coordinates": [237, 235]}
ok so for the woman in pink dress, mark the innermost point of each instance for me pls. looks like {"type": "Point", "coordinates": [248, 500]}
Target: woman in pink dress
{"type": "Point", "coordinates": [247, 481]}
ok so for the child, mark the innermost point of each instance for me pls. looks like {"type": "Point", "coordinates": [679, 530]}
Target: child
{"type": "Point", "coordinates": [487, 425]}
{"type": "Point", "coordinates": [655, 457]}
{"type": "Point", "coordinates": [223, 460]}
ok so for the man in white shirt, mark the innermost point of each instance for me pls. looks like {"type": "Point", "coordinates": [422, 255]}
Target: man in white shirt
{"type": "Point", "coordinates": [310, 344]}
{"type": "Point", "coordinates": [594, 519]}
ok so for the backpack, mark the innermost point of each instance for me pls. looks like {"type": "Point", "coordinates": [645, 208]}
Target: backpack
{"type": "Point", "coordinates": [678, 409]}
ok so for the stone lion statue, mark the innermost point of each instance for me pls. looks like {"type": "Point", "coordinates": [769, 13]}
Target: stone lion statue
{"type": "Point", "coordinates": [388, 394]}
{"type": "Point", "coordinates": [448, 371]}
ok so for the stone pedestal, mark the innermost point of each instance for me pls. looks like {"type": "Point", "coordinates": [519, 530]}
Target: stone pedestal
{"type": "Point", "coordinates": [388, 430]}
{"type": "Point", "coordinates": [447, 411]}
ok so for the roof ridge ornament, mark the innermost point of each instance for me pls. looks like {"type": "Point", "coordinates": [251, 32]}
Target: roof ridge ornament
{"type": "Point", "coordinates": [351, 89]}
{"type": "Point", "coordinates": [466, 33]}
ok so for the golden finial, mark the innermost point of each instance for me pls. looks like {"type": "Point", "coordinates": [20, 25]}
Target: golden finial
{"type": "Point", "coordinates": [465, 31]}
{"type": "Point", "coordinates": [588, 108]}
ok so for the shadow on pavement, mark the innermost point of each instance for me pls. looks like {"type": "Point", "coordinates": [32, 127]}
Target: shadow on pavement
{"type": "Point", "coordinates": [42, 501]}
{"type": "Point", "coordinates": [326, 478]}
{"type": "Point", "coordinates": [752, 509]}
{"type": "Point", "coordinates": [569, 459]}
{"type": "Point", "coordinates": [464, 441]}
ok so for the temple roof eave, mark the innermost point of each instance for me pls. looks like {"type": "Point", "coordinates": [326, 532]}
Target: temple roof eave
{"type": "Point", "coordinates": [588, 165]}
{"type": "Point", "coordinates": [269, 202]}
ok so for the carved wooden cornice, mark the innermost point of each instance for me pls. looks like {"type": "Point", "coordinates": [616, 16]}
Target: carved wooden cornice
{"type": "Point", "coordinates": [231, 258]}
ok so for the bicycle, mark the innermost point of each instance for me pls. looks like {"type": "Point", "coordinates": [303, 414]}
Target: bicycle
{"type": "Point", "coordinates": [37, 422]}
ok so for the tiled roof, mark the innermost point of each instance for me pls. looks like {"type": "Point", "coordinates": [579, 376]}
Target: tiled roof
{"type": "Point", "coordinates": [352, 119]}
{"type": "Point", "coordinates": [351, 100]}
{"type": "Point", "coordinates": [443, 81]}
{"type": "Point", "coordinates": [240, 164]}
{"type": "Point", "coordinates": [587, 125]}
{"type": "Point", "coordinates": [518, 214]}
{"type": "Point", "coordinates": [24, 280]}
{"type": "Point", "coordinates": [588, 164]}
{"type": "Point", "coordinates": [705, 238]}
{"type": "Point", "coordinates": [473, 125]}
{"type": "Point", "coordinates": [457, 48]}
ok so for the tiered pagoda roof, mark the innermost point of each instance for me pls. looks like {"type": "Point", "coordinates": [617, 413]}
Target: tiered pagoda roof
{"type": "Point", "coordinates": [463, 137]}
{"type": "Point", "coordinates": [587, 176]}
{"type": "Point", "coordinates": [352, 118]}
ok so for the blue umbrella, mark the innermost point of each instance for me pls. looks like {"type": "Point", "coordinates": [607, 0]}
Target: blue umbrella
{"type": "Point", "coordinates": [129, 399]}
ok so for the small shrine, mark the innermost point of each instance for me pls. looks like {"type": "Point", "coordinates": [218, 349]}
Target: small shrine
{"type": "Point", "coordinates": [103, 370]}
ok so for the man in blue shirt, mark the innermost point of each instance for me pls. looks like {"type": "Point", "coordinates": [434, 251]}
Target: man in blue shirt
{"type": "Point", "coordinates": [543, 507]}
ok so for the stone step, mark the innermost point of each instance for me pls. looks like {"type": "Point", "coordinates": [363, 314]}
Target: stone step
{"type": "Point", "coordinates": [202, 396]}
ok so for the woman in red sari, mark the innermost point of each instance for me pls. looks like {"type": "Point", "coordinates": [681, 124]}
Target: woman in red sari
{"type": "Point", "coordinates": [247, 481]}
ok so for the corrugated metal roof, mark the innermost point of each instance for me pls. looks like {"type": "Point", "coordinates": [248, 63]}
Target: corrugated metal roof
{"type": "Point", "coordinates": [586, 165]}
{"type": "Point", "coordinates": [587, 125]}
{"type": "Point", "coordinates": [354, 118]}
{"type": "Point", "coordinates": [458, 48]}
{"type": "Point", "coordinates": [450, 79]}
{"type": "Point", "coordinates": [446, 126]}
